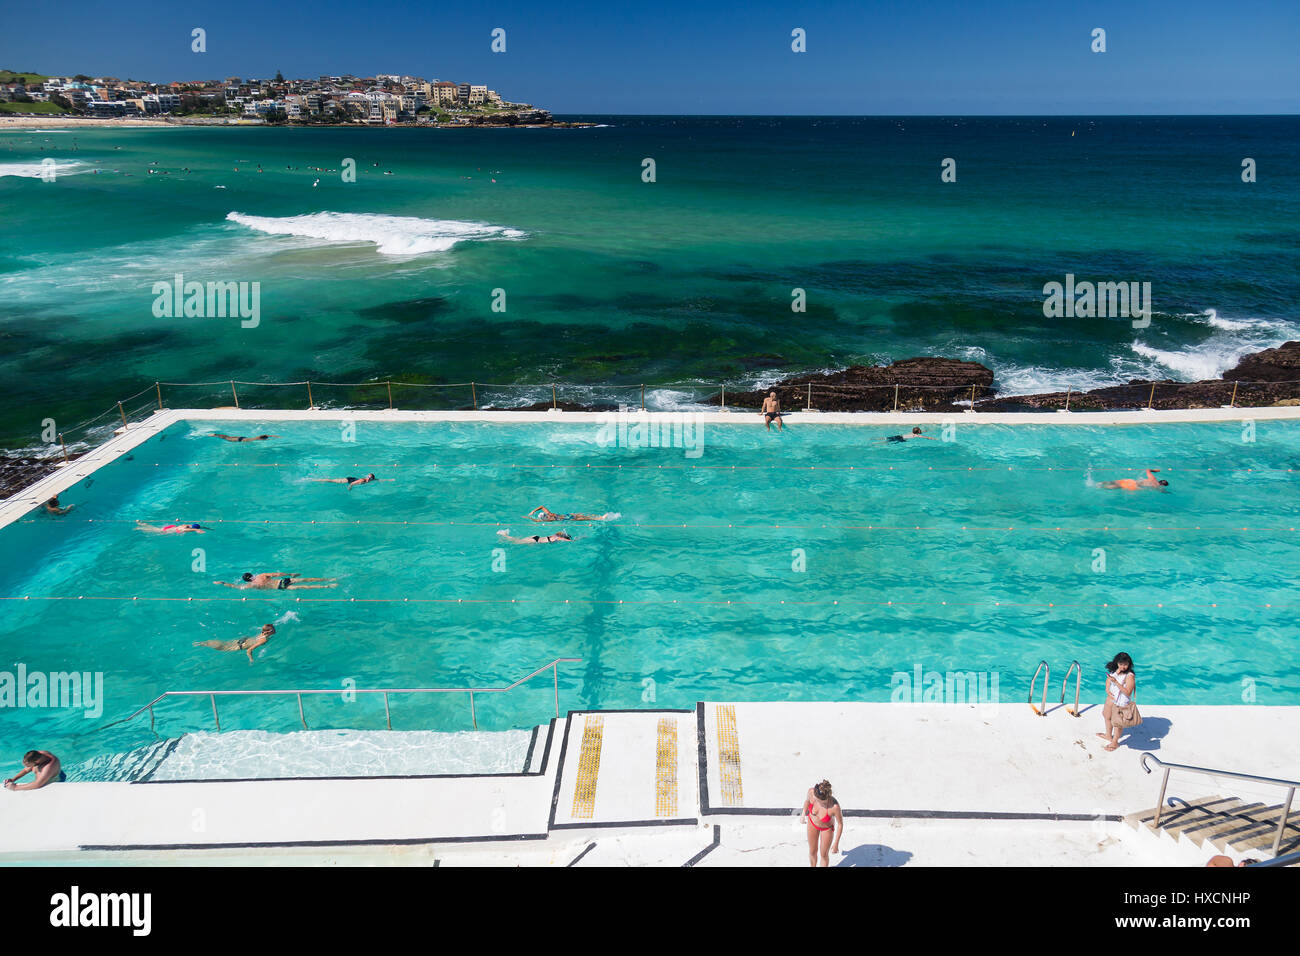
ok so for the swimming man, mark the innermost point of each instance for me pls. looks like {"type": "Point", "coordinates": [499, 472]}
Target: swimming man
{"type": "Point", "coordinates": [1133, 484]}
{"type": "Point", "coordinates": [547, 515]}
{"type": "Point", "coordinates": [245, 644]}
{"type": "Point", "coordinates": [242, 437]}
{"type": "Point", "coordinates": [277, 581]}
{"type": "Point", "coordinates": [536, 538]}
{"type": "Point", "coordinates": [916, 433]}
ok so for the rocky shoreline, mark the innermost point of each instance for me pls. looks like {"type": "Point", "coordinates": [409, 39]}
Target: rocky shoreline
{"type": "Point", "coordinates": [1263, 379]}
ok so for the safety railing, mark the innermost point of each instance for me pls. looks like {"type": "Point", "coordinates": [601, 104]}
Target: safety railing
{"type": "Point", "coordinates": [1078, 683]}
{"type": "Point", "coordinates": [212, 695]}
{"type": "Point", "coordinates": [1288, 785]}
{"type": "Point", "coordinates": [1041, 710]}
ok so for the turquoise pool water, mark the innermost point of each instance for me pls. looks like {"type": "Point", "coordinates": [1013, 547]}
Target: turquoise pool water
{"type": "Point", "coordinates": [943, 555]}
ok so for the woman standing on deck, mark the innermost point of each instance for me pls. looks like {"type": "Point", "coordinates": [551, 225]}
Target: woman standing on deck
{"type": "Point", "coordinates": [1119, 711]}
{"type": "Point", "coordinates": [822, 813]}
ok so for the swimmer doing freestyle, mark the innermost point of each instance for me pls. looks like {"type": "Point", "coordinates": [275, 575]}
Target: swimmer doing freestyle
{"type": "Point", "coordinates": [542, 513]}
{"type": "Point", "coordinates": [536, 538]}
{"type": "Point", "coordinates": [1133, 484]}
{"type": "Point", "coordinates": [277, 581]}
{"type": "Point", "coordinates": [245, 644]}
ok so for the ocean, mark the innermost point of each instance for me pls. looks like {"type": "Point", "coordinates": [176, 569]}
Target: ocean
{"type": "Point", "coordinates": [522, 257]}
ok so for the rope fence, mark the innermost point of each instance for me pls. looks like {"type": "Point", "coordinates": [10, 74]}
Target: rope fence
{"type": "Point", "coordinates": [685, 396]}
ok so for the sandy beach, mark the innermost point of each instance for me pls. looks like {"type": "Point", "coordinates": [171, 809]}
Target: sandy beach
{"type": "Point", "coordinates": [52, 121]}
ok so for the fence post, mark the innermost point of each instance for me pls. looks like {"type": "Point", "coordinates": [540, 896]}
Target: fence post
{"type": "Point", "coordinates": [643, 398]}
{"type": "Point", "coordinates": [473, 394]}
{"type": "Point", "coordinates": [809, 406]}
{"type": "Point", "coordinates": [724, 396]}
{"type": "Point", "coordinates": [895, 396]}
{"type": "Point", "coordinates": [390, 394]}
{"type": "Point", "coordinates": [158, 387]}
{"type": "Point", "coordinates": [1152, 399]}
{"type": "Point", "coordinates": [1067, 398]}
{"type": "Point", "coordinates": [234, 393]}
{"type": "Point", "coordinates": [310, 404]}
{"type": "Point", "coordinates": [1233, 403]}
{"type": "Point", "coordinates": [123, 413]}
{"type": "Point", "coordinates": [554, 404]}
{"type": "Point", "coordinates": [972, 398]}
{"type": "Point", "coordinates": [65, 448]}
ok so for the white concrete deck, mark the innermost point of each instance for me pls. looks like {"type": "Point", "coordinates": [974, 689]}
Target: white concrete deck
{"type": "Point", "coordinates": [1010, 786]}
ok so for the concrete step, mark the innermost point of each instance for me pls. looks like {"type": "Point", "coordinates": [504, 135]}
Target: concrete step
{"type": "Point", "coordinates": [1258, 832]}
{"type": "Point", "coordinates": [1232, 819]}
{"type": "Point", "coordinates": [1198, 810]}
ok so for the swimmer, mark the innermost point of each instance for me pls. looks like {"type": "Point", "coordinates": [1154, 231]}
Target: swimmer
{"type": "Point", "coordinates": [348, 481]}
{"type": "Point", "coordinates": [547, 515]}
{"type": "Point", "coordinates": [243, 437]}
{"type": "Point", "coordinates": [536, 538]}
{"type": "Point", "coordinates": [245, 644]}
{"type": "Point", "coordinates": [916, 433]}
{"type": "Point", "coordinates": [277, 581]}
{"type": "Point", "coordinates": [172, 528]}
{"type": "Point", "coordinates": [52, 506]}
{"type": "Point", "coordinates": [1133, 484]}
{"type": "Point", "coordinates": [772, 410]}
{"type": "Point", "coordinates": [47, 770]}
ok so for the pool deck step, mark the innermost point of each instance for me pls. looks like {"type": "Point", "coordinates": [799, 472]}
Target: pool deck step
{"type": "Point", "coordinates": [1228, 824]}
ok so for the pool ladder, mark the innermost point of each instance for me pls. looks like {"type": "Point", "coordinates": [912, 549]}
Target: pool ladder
{"type": "Point", "coordinates": [1045, 669]}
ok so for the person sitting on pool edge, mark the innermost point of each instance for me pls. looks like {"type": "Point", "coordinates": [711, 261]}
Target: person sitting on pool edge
{"type": "Point", "coordinates": [772, 410]}
{"type": "Point", "coordinates": [916, 433]}
{"type": "Point", "coordinates": [277, 581]}
{"type": "Point", "coordinates": [549, 515]}
{"type": "Point", "coordinates": [243, 437]}
{"type": "Point", "coordinates": [47, 767]}
{"type": "Point", "coordinates": [536, 538]}
{"type": "Point", "coordinates": [245, 644]}
{"type": "Point", "coordinates": [349, 481]}
{"type": "Point", "coordinates": [1133, 484]}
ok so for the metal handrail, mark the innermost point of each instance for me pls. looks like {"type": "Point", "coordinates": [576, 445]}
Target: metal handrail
{"type": "Point", "coordinates": [553, 666]}
{"type": "Point", "coordinates": [1289, 785]}
{"type": "Point", "coordinates": [1047, 679]}
{"type": "Point", "coordinates": [1078, 681]}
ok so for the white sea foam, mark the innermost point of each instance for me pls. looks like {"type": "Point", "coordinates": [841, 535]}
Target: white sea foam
{"type": "Point", "coordinates": [67, 167]}
{"type": "Point", "coordinates": [392, 235]}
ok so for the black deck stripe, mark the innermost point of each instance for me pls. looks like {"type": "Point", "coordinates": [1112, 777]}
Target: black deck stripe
{"type": "Point", "coordinates": [532, 742]}
{"type": "Point", "coordinates": [620, 824]}
{"type": "Point", "coordinates": [574, 861]}
{"type": "Point", "coordinates": [703, 757]}
{"type": "Point", "coordinates": [559, 767]}
{"type": "Point", "coordinates": [717, 841]}
{"type": "Point", "coordinates": [412, 841]}
{"type": "Point", "coordinates": [546, 752]}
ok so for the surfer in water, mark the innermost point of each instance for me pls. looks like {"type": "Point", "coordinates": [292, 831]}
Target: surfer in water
{"type": "Point", "coordinates": [536, 538]}
{"type": "Point", "coordinates": [542, 513]}
{"type": "Point", "coordinates": [1133, 484]}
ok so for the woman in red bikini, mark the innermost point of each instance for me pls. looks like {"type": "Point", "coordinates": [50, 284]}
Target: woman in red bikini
{"type": "Point", "coordinates": [822, 812]}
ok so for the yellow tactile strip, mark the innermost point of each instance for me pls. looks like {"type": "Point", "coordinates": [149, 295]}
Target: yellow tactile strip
{"type": "Point", "coordinates": [733, 794]}
{"type": "Point", "coordinates": [584, 790]}
{"type": "Point", "coordinates": [666, 768]}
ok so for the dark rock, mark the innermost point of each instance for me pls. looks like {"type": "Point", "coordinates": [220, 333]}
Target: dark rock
{"type": "Point", "coordinates": [17, 473]}
{"type": "Point", "coordinates": [1281, 364]}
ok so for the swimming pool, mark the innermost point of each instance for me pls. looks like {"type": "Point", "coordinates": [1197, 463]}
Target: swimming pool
{"type": "Point", "coordinates": [814, 564]}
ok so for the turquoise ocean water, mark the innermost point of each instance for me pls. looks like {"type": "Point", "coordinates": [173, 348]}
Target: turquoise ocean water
{"type": "Point", "coordinates": [609, 279]}
{"type": "Point", "coordinates": [814, 564]}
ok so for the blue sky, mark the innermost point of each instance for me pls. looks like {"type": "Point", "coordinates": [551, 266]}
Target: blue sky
{"type": "Point", "coordinates": [670, 56]}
